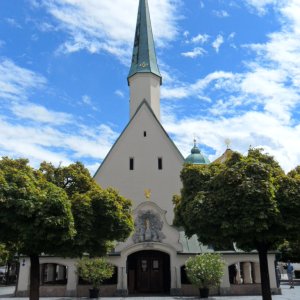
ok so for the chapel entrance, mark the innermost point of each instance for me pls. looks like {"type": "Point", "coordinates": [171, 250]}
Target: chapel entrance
{"type": "Point", "coordinates": [148, 272]}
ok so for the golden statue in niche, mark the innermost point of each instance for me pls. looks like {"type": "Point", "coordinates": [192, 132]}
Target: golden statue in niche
{"type": "Point", "coordinates": [147, 193]}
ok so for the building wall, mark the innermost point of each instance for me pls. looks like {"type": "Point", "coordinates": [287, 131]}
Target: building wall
{"type": "Point", "coordinates": [162, 184]}
{"type": "Point", "coordinates": [145, 87]}
{"type": "Point", "coordinates": [73, 289]}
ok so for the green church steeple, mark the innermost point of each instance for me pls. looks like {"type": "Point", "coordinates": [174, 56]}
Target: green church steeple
{"type": "Point", "coordinates": [144, 56]}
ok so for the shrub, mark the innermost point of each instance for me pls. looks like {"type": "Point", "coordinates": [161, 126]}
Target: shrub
{"type": "Point", "coordinates": [94, 270]}
{"type": "Point", "coordinates": [205, 270]}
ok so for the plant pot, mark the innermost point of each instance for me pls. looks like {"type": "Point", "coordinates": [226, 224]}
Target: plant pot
{"type": "Point", "coordinates": [94, 293]}
{"type": "Point", "coordinates": [204, 292]}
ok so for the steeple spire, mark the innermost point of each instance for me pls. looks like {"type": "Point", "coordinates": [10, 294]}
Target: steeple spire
{"type": "Point", "coordinates": [144, 56]}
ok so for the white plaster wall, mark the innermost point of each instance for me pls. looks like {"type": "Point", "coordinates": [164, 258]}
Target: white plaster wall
{"type": "Point", "coordinates": [24, 272]}
{"type": "Point", "coordinates": [145, 86]}
{"type": "Point", "coordinates": [24, 278]}
{"type": "Point", "coordinates": [114, 171]}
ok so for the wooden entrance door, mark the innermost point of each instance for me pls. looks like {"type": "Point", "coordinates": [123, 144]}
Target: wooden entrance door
{"type": "Point", "coordinates": [150, 273]}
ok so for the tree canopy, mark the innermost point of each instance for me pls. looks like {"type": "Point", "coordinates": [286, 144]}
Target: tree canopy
{"type": "Point", "coordinates": [101, 216]}
{"type": "Point", "coordinates": [58, 211]}
{"type": "Point", "coordinates": [34, 213]}
{"type": "Point", "coordinates": [247, 199]}
{"type": "Point", "coordinates": [4, 254]}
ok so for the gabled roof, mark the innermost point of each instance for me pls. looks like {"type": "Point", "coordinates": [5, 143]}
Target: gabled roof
{"type": "Point", "coordinates": [144, 56]}
{"type": "Point", "coordinates": [224, 157]}
{"type": "Point", "coordinates": [144, 102]}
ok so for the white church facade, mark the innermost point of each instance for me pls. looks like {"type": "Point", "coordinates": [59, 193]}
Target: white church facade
{"type": "Point", "coordinates": [144, 165]}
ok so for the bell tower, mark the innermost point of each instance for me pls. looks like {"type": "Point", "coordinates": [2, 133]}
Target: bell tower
{"type": "Point", "coordinates": [144, 78]}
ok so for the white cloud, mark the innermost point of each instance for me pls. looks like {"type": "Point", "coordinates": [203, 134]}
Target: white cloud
{"type": "Point", "coordinates": [231, 36]}
{"type": "Point", "coordinates": [36, 132]}
{"type": "Point", "coordinates": [86, 99]}
{"type": "Point", "coordinates": [186, 33]}
{"type": "Point", "coordinates": [40, 143]}
{"type": "Point", "coordinates": [16, 82]}
{"type": "Point", "coordinates": [200, 38]}
{"type": "Point", "coordinates": [40, 114]}
{"type": "Point", "coordinates": [16, 85]}
{"type": "Point", "coordinates": [198, 51]}
{"type": "Point", "coordinates": [119, 93]}
{"type": "Point", "coordinates": [220, 13]}
{"type": "Point", "coordinates": [267, 95]}
{"type": "Point", "coordinates": [98, 26]}
{"type": "Point", "coordinates": [262, 5]}
{"type": "Point", "coordinates": [252, 128]}
{"type": "Point", "coordinates": [12, 22]}
{"type": "Point", "coordinates": [218, 42]}
{"type": "Point", "coordinates": [218, 79]}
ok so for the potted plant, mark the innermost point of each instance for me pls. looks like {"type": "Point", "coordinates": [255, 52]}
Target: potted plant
{"type": "Point", "coordinates": [205, 271]}
{"type": "Point", "coordinates": [94, 270]}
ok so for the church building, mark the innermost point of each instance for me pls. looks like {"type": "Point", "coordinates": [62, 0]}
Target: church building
{"type": "Point", "coordinates": [144, 165]}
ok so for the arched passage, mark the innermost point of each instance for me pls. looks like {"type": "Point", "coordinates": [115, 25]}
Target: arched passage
{"type": "Point", "coordinates": [148, 272]}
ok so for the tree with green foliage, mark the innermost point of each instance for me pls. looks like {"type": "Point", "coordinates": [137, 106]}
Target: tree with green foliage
{"type": "Point", "coordinates": [100, 216]}
{"type": "Point", "coordinates": [4, 254]}
{"type": "Point", "coordinates": [289, 192]}
{"type": "Point", "coordinates": [34, 214]}
{"type": "Point", "coordinates": [8, 258]}
{"type": "Point", "coordinates": [248, 200]}
{"type": "Point", "coordinates": [290, 251]}
{"type": "Point", "coordinates": [58, 211]}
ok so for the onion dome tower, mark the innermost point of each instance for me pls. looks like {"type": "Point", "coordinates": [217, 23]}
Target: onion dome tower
{"type": "Point", "coordinates": [196, 157]}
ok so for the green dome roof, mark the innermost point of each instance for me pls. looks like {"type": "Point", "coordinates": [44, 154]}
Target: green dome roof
{"type": "Point", "coordinates": [196, 157]}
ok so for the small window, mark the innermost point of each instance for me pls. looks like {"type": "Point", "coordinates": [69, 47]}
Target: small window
{"type": "Point", "coordinates": [145, 133]}
{"type": "Point", "coordinates": [160, 164]}
{"type": "Point", "coordinates": [155, 265]}
{"type": "Point", "coordinates": [131, 163]}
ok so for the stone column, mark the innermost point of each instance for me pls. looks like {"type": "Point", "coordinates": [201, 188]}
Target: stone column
{"type": "Point", "coordinates": [225, 279]}
{"type": "Point", "coordinates": [22, 289]}
{"type": "Point", "coordinates": [238, 274]}
{"type": "Point", "coordinates": [178, 278]}
{"type": "Point", "coordinates": [175, 281]}
{"type": "Point", "coordinates": [71, 290]}
{"type": "Point", "coordinates": [122, 289]}
{"type": "Point", "coordinates": [247, 272]}
{"type": "Point", "coordinates": [257, 278]}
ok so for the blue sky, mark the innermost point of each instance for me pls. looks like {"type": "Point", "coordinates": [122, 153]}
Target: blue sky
{"type": "Point", "coordinates": [231, 70]}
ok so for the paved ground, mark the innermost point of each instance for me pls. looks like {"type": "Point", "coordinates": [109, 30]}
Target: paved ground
{"type": "Point", "coordinates": [287, 294]}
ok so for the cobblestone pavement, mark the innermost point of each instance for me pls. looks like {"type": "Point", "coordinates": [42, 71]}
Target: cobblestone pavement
{"type": "Point", "coordinates": [287, 294]}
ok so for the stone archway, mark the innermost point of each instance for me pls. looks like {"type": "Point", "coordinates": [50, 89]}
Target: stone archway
{"type": "Point", "coordinates": [148, 272]}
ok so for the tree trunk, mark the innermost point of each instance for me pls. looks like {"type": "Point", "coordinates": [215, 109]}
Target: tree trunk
{"type": "Point", "coordinates": [34, 293]}
{"type": "Point", "coordinates": [264, 272]}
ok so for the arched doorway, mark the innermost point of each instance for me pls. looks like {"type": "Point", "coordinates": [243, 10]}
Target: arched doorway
{"type": "Point", "coordinates": [148, 272]}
